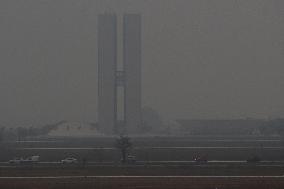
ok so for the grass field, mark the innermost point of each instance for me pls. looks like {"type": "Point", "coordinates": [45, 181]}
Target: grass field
{"type": "Point", "coordinates": [151, 148]}
{"type": "Point", "coordinates": [144, 183]}
{"type": "Point", "coordinates": [166, 170]}
{"type": "Point", "coordinates": [146, 175]}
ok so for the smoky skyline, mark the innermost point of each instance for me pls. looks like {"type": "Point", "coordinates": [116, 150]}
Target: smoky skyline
{"type": "Point", "coordinates": [200, 59]}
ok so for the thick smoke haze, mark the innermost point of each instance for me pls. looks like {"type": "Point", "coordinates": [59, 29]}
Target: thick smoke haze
{"type": "Point", "coordinates": [200, 59]}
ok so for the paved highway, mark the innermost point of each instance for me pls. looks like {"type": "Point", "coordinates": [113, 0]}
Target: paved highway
{"type": "Point", "coordinates": [213, 163]}
{"type": "Point", "coordinates": [122, 176]}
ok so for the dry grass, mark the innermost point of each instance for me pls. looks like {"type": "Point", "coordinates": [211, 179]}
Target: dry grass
{"type": "Point", "coordinates": [157, 183]}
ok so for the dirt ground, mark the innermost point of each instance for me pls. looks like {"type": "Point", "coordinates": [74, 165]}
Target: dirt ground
{"type": "Point", "coordinates": [144, 183]}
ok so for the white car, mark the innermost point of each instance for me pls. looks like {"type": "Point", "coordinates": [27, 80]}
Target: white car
{"type": "Point", "coordinates": [130, 159]}
{"type": "Point", "coordinates": [69, 160]}
{"type": "Point", "coordinates": [16, 160]}
{"type": "Point", "coordinates": [31, 159]}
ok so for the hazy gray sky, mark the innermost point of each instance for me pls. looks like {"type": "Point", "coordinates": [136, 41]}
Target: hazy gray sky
{"type": "Point", "coordinates": [201, 58]}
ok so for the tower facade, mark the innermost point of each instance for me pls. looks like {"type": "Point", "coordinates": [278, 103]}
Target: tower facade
{"type": "Point", "coordinates": [132, 69]}
{"type": "Point", "coordinates": [107, 62]}
{"type": "Point", "coordinates": [111, 79]}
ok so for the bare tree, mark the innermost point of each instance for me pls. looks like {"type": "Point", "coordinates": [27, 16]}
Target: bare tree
{"type": "Point", "coordinates": [2, 130]}
{"type": "Point", "coordinates": [124, 144]}
{"type": "Point", "coordinates": [22, 133]}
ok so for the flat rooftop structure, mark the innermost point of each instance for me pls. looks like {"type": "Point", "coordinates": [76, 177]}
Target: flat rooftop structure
{"type": "Point", "coordinates": [222, 126]}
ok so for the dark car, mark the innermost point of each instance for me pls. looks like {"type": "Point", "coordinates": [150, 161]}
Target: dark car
{"type": "Point", "coordinates": [200, 159]}
{"type": "Point", "coordinates": [254, 159]}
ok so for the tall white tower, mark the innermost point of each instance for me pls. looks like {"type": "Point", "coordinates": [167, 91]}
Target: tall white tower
{"type": "Point", "coordinates": [110, 79]}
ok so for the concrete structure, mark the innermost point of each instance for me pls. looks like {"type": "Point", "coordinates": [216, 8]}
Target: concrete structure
{"type": "Point", "coordinates": [107, 61]}
{"type": "Point", "coordinates": [132, 68]}
{"type": "Point", "coordinates": [222, 126]}
{"type": "Point", "coordinates": [111, 80]}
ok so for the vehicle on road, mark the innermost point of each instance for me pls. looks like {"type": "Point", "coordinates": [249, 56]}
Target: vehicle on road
{"type": "Point", "coordinates": [200, 159]}
{"type": "Point", "coordinates": [69, 160]}
{"type": "Point", "coordinates": [130, 159]}
{"type": "Point", "coordinates": [16, 160]}
{"type": "Point", "coordinates": [31, 159]}
{"type": "Point", "coordinates": [254, 159]}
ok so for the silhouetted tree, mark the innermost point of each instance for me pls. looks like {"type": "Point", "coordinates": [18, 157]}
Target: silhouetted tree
{"type": "Point", "coordinates": [32, 131]}
{"type": "Point", "coordinates": [275, 126]}
{"type": "Point", "coordinates": [94, 126]}
{"type": "Point", "coordinates": [84, 161]}
{"type": "Point", "coordinates": [124, 144]}
{"type": "Point", "coordinates": [151, 120]}
{"type": "Point", "coordinates": [22, 133]}
{"type": "Point", "coordinates": [2, 130]}
{"type": "Point", "coordinates": [47, 128]}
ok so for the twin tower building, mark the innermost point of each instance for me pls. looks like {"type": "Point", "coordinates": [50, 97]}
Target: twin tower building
{"type": "Point", "coordinates": [119, 106]}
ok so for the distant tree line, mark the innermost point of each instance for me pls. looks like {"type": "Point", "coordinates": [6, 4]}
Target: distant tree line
{"type": "Point", "coordinates": [2, 129]}
{"type": "Point", "coordinates": [274, 126]}
{"type": "Point", "coordinates": [22, 133]}
{"type": "Point", "coordinates": [124, 144]}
